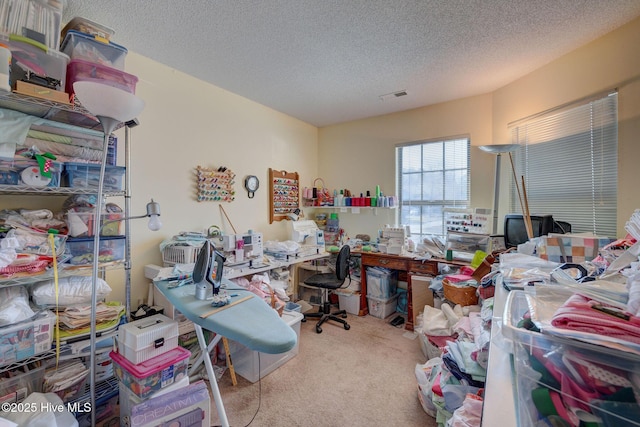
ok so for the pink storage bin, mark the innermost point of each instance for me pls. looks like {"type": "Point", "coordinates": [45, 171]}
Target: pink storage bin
{"type": "Point", "coordinates": [81, 70]}
{"type": "Point", "coordinates": [153, 374]}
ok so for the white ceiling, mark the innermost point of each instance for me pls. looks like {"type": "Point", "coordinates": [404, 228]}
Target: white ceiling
{"type": "Point", "coordinates": [329, 61]}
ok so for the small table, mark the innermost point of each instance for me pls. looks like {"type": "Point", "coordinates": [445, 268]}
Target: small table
{"type": "Point", "coordinates": [250, 322]}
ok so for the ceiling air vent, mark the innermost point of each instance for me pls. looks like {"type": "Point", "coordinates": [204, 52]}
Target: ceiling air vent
{"type": "Point", "coordinates": [393, 95]}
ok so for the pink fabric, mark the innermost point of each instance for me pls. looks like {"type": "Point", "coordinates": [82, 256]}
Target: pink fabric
{"type": "Point", "coordinates": [33, 267]}
{"type": "Point", "coordinates": [578, 313]}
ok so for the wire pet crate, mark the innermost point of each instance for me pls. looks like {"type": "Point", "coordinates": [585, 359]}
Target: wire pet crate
{"type": "Point", "coordinates": [179, 254]}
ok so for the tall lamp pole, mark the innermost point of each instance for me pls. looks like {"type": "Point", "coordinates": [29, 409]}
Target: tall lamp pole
{"type": "Point", "coordinates": [497, 149]}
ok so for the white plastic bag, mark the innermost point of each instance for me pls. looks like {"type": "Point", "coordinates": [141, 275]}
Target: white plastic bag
{"type": "Point", "coordinates": [14, 305]}
{"type": "Point", "coordinates": [469, 414]}
{"type": "Point", "coordinates": [435, 322]}
{"type": "Point", "coordinates": [425, 375]}
{"type": "Point", "coordinates": [72, 290]}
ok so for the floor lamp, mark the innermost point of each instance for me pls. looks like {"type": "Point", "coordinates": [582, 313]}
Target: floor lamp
{"type": "Point", "coordinates": [497, 149]}
{"type": "Point", "coordinates": [111, 106]}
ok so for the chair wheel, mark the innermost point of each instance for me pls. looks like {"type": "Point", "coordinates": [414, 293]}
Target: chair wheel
{"type": "Point", "coordinates": [303, 319]}
{"type": "Point", "coordinates": [318, 329]}
{"type": "Point", "coordinates": [344, 316]}
{"type": "Point", "coordinates": [347, 327]}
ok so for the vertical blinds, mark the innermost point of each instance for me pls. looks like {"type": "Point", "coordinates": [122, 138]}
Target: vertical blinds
{"type": "Point", "coordinates": [568, 158]}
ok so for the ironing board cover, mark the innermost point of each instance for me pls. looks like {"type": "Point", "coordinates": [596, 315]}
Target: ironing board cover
{"type": "Point", "coordinates": [251, 323]}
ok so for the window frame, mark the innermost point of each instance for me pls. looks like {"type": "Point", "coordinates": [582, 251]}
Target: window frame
{"type": "Point", "coordinates": [442, 203]}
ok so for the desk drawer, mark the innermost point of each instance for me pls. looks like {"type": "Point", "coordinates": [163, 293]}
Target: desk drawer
{"type": "Point", "coordinates": [386, 262]}
{"type": "Point", "coordinates": [430, 268]}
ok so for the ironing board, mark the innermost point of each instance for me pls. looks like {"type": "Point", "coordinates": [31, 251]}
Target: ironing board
{"type": "Point", "coordinates": [250, 322]}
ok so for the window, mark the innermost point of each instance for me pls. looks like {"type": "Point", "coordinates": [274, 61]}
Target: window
{"type": "Point", "coordinates": [568, 158]}
{"type": "Point", "coordinates": [432, 176]}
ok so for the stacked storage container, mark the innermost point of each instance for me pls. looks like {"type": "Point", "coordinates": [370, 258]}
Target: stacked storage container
{"type": "Point", "coordinates": [94, 57]}
{"type": "Point", "coordinates": [382, 286]}
{"type": "Point", "coordinates": [148, 360]}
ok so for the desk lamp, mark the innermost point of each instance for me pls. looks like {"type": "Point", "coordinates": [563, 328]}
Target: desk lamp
{"type": "Point", "coordinates": [498, 149]}
{"type": "Point", "coordinates": [111, 106]}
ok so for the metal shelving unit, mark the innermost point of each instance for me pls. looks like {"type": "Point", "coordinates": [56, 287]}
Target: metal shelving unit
{"type": "Point", "coordinates": [74, 115]}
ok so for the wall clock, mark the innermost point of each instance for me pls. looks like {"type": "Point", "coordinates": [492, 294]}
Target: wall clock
{"type": "Point", "coordinates": [251, 183]}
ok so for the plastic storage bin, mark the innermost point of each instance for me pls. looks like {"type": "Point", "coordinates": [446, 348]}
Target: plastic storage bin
{"type": "Point", "coordinates": [147, 338]}
{"type": "Point", "coordinates": [187, 406]}
{"type": "Point", "coordinates": [84, 25]}
{"type": "Point", "coordinates": [29, 56]}
{"type": "Point", "coordinates": [253, 365]}
{"type": "Point", "coordinates": [292, 306]}
{"type": "Point", "coordinates": [22, 171]}
{"type": "Point", "coordinates": [153, 374]}
{"type": "Point", "coordinates": [382, 283]}
{"type": "Point", "coordinates": [86, 175]}
{"type": "Point", "coordinates": [128, 399]}
{"type": "Point", "coordinates": [80, 70]}
{"type": "Point", "coordinates": [382, 308]}
{"type": "Point", "coordinates": [40, 20]}
{"type": "Point", "coordinates": [94, 49]}
{"type": "Point", "coordinates": [80, 224]}
{"type": "Point", "coordinates": [25, 339]}
{"type": "Point", "coordinates": [310, 294]}
{"type": "Point", "coordinates": [81, 250]}
{"type": "Point", "coordinates": [349, 300]}
{"type": "Point", "coordinates": [20, 385]}
{"type": "Point", "coordinates": [571, 374]}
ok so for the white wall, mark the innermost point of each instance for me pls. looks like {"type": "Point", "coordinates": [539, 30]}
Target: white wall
{"type": "Point", "coordinates": [187, 123]}
{"type": "Point", "coordinates": [361, 154]}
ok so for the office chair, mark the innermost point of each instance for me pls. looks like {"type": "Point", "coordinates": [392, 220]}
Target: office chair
{"type": "Point", "coordinates": [330, 282]}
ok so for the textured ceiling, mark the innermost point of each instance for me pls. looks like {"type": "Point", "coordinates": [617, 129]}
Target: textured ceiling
{"type": "Point", "coordinates": [329, 61]}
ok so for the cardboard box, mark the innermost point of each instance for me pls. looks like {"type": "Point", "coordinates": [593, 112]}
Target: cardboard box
{"type": "Point", "coordinates": [421, 295]}
{"type": "Point", "coordinates": [188, 406]}
{"type": "Point", "coordinates": [30, 89]}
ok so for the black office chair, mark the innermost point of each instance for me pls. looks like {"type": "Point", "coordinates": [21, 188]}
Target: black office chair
{"type": "Point", "coordinates": [330, 282]}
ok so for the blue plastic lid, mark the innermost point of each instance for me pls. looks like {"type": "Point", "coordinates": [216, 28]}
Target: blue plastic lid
{"type": "Point", "coordinates": [74, 33]}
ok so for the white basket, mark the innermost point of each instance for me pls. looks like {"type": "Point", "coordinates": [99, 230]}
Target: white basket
{"type": "Point", "coordinates": [178, 254]}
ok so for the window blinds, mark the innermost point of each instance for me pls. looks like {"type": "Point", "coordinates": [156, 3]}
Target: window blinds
{"type": "Point", "coordinates": [432, 176]}
{"type": "Point", "coordinates": [568, 158]}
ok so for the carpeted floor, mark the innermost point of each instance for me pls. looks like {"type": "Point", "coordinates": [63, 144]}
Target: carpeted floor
{"type": "Point", "coordinates": [360, 377]}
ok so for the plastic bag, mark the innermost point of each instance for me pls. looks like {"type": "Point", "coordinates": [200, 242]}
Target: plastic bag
{"type": "Point", "coordinates": [469, 414]}
{"type": "Point", "coordinates": [71, 290]}
{"type": "Point", "coordinates": [425, 375]}
{"type": "Point", "coordinates": [14, 305]}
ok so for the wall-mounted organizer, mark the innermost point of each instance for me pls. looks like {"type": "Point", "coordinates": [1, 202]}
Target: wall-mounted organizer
{"type": "Point", "coordinates": [468, 220]}
{"type": "Point", "coordinates": [215, 185]}
{"type": "Point", "coordinates": [284, 194]}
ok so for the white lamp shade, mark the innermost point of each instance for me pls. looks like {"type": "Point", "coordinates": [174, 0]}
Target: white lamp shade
{"type": "Point", "coordinates": [108, 101]}
{"type": "Point", "coordinates": [499, 148]}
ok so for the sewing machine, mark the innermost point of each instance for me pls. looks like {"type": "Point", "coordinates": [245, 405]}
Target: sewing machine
{"type": "Point", "coordinates": [393, 240]}
{"type": "Point", "coordinates": [245, 248]}
{"type": "Point", "coordinates": [310, 237]}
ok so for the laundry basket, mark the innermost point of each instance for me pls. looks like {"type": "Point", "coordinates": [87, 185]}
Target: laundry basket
{"type": "Point", "coordinates": [179, 254]}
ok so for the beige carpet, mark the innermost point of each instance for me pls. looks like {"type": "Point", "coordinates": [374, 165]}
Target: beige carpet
{"type": "Point", "coordinates": [360, 377]}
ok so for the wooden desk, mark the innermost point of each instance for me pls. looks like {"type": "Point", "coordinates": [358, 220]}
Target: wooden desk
{"type": "Point", "coordinates": [407, 266]}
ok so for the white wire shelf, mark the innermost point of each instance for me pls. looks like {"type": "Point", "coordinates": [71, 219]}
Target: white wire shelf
{"type": "Point", "coordinates": [73, 114]}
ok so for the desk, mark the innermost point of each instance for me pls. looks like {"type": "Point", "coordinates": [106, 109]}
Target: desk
{"type": "Point", "coordinates": [235, 272]}
{"type": "Point", "coordinates": [251, 323]}
{"type": "Point", "coordinates": [407, 265]}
